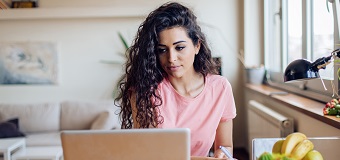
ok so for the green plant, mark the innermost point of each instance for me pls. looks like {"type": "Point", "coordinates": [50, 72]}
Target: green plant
{"type": "Point", "coordinates": [338, 72]}
{"type": "Point", "coordinates": [126, 46]}
{"type": "Point", "coordinates": [122, 39]}
{"type": "Point", "coordinates": [123, 54]}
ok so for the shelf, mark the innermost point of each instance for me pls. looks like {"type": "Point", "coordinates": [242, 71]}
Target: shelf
{"type": "Point", "coordinates": [68, 13]}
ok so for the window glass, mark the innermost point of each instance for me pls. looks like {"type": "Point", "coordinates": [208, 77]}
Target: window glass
{"type": "Point", "coordinates": [294, 30]}
{"type": "Point", "coordinates": [323, 38]}
{"type": "Point", "coordinates": [273, 31]}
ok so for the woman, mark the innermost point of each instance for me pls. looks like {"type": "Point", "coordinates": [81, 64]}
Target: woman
{"type": "Point", "coordinates": [171, 81]}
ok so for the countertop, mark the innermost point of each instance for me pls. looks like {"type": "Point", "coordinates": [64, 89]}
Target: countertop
{"type": "Point", "coordinates": [307, 106]}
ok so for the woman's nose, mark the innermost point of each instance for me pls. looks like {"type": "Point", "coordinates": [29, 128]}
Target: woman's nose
{"type": "Point", "coordinates": [172, 57]}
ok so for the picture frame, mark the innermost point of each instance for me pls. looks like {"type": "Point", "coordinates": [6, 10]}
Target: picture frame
{"type": "Point", "coordinates": [28, 63]}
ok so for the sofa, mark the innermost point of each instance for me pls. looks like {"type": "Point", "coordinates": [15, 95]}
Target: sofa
{"type": "Point", "coordinates": [42, 123]}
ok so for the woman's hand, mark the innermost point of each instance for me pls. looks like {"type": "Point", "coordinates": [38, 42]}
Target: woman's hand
{"type": "Point", "coordinates": [219, 154]}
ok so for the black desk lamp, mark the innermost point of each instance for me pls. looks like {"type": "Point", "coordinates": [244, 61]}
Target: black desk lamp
{"type": "Point", "coordinates": [302, 69]}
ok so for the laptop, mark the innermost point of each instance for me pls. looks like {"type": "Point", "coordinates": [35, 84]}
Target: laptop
{"type": "Point", "coordinates": [126, 144]}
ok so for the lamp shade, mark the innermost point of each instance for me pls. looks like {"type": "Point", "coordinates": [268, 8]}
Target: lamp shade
{"type": "Point", "coordinates": [299, 70]}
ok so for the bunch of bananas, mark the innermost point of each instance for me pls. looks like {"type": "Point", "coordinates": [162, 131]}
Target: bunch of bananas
{"type": "Point", "coordinates": [295, 146]}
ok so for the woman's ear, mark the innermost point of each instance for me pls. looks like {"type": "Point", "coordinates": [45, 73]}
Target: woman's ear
{"type": "Point", "coordinates": [197, 47]}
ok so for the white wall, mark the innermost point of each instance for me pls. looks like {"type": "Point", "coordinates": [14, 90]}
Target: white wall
{"type": "Point", "coordinates": [82, 43]}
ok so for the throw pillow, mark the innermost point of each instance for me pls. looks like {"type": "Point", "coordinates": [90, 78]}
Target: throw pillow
{"type": "Point", "coordinates": [10, 129]}
{"type": "Point", "coordinates": [14, 121]}
{"type": "Point", "coordinates": [103, 121]}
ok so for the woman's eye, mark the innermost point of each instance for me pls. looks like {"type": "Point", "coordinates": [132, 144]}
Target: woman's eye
{"type": "Point", "coordinates": [179, 48]}
{"type": "Point", "coordinates": [161, 50]}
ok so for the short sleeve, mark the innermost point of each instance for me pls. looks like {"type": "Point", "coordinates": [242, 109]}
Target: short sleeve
{"type": "Point", "coordinates": [229, 107]}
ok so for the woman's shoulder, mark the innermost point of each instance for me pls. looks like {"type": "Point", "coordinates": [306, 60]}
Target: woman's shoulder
{"type": "Point", "coordinates": [217, 80]}
{"type": "Point", "coordinates": [164, 85]}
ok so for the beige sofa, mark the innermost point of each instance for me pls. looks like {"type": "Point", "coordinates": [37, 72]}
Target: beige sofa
{"type": "Point", "coordinates": [42, 122]}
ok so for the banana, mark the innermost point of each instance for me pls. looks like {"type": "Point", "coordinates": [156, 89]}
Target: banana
{"type": "Point", "coordinates": [277, 146]}
{"type": "Point", "coordinates": [313, 155]}
{"type": "Point", "coordinates": [291, 141]}
{"type": "Point", "coordinates": [302, 149]}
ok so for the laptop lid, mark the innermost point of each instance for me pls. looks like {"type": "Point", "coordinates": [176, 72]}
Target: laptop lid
{"type": "Point", "coordinates": [127, 144]}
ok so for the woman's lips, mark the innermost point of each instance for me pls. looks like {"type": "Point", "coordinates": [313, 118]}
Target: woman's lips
{"type": "Point", "coordinates": [173, 68]}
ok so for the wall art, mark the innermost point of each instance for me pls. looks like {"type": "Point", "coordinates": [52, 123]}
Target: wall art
{"type": "Point", "coordinates": [28, 63]}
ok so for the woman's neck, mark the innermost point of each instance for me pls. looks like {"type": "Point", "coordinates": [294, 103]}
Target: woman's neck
{"type": "Point", "coordinates": [189, 85]}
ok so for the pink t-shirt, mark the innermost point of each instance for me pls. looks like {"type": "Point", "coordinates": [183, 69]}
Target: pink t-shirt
{"type": "Point", "coordinates": [201, 114]}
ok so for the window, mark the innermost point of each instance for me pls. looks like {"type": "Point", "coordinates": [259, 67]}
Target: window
{"type": "Point", "coordinates": [294, 29]}
{"type": "Point", "coordinates": [297, 29]}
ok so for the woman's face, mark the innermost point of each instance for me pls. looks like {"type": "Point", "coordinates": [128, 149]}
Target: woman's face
{"type": "Point", "coordinates": [176, 52]}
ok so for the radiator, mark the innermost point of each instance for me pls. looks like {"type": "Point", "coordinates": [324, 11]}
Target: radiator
{"type": "Point", "coordinates": [264, 122]}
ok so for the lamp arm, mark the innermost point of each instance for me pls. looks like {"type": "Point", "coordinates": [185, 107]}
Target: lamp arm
{"type": "Point", "coordinates": [321, 63]}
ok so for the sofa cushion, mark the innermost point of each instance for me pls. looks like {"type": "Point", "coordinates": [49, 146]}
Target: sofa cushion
{"type": "Point", "coordinates": [43, 139]}
{"type": "Point", "coordinates": [80, 115]}
{"type": "Point", "coordinates": [39, 117]}
{"type": "Point", "coordinates": [10, 129]}
{"type": "Point", "coordinates": [105, 121]}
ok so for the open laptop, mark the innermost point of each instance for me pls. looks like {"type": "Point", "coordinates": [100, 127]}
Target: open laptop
{"type": "Point", "coordinates": [127, 144]}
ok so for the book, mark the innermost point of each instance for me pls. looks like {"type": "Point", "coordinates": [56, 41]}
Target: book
{"type": "Point", "coordinates": [8, 2]}
{"type": "Point", "coordinates": [4, 5]}
{"type": "Point", "coordinates": [24, 3]}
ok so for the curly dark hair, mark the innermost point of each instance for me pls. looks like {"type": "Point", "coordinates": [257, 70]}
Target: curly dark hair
{"type": "Point", "coordinates": [143, 70]}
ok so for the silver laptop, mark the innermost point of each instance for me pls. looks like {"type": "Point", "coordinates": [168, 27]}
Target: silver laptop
{"type": "Point", "coordinates": [127, 144]}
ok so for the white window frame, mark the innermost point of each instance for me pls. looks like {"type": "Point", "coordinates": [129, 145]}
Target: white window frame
{"type": "Point", "coordinates": [313, 88]}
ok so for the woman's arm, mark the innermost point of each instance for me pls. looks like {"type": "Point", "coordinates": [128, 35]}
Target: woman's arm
{"type": "Point", "coordinates": [224, 137]}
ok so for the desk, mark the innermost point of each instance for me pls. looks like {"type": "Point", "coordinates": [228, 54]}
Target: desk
{"type": "Point", "coordinates": [9, 145]}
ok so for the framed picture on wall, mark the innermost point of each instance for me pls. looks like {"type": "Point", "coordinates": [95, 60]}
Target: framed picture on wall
{"type": "Point", "coordinates": [28, 63]}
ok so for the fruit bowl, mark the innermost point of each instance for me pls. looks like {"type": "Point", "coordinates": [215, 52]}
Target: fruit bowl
{"type": "Point", "coordinates": [327, 146]}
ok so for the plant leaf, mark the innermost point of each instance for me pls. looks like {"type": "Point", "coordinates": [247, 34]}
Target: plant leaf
{"type": "Point", "coordinates": [123, 41]}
